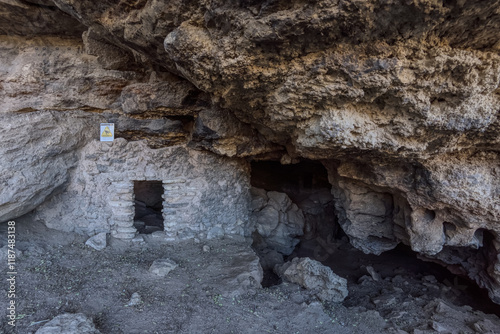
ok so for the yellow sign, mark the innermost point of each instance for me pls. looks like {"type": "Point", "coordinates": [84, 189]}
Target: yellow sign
{"type": "Point", "coordinates": [106, 133]}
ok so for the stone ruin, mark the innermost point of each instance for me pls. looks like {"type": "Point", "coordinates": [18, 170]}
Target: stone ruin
{"type": "Point", "coordinates": [204, 196]}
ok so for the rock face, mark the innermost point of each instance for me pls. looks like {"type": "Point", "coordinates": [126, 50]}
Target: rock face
{"type": "Point", "coordinates": [38, 150]}
{"type": "Point", "coordinates": [277, 220]}
{"type": "Point", "coordinates": [314, 276]}
{"type": "Point", "coordinates": [399, 100]}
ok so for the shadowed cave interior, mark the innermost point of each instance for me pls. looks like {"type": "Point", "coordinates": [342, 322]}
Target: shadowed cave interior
{"type": "Point", "coordinates": [306, 184]}
{"type": "Point", "coordinates": [148, 206]}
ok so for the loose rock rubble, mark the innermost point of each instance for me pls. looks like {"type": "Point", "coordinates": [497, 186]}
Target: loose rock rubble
{"type": "Point", "coordinates": [219, 291]}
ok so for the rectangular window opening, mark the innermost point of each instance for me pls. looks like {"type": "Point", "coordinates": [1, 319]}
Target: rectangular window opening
{"type": "Point", "coordinates": [148, 206]}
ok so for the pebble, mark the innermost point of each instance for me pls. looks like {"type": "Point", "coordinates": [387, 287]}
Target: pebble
{"type": "Point", "coordinates": [135, 299]}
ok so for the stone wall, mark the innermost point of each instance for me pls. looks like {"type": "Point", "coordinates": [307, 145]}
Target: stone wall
{"type": "Point", "coordinates": [205, 195]}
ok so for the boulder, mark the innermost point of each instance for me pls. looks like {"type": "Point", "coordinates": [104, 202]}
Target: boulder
{"type": "Point", "coordinates": [38, 150]}
{"type": "Point", "coordinates": [314, 276]}
{"type": "Point", "coordinates": [277, 220]}
{"type": "Point", "coordinates": [240, 275]}
{"type": "Point", "coordinates": [69, 323]}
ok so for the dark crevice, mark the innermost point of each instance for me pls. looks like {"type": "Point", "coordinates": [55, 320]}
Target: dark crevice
{"type": "Point", "coordinates": [296, 180]}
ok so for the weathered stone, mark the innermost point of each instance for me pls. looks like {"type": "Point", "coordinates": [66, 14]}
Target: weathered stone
{"type": "Point", "coordinates": [24, 18]}
{"type": "Point", "coordinates": [375, 275]}
{"type": "Point", "coordinates": [108, 55]}
{"type": "Point", "coordinates": [138, 239]}
{"type": "Point", "coordinates": [267, 220]}
{"type": "Point", "coordinates": [278, 221]}
{"type": "Point", "coordinates": [219, 131]}
{"type": "Point", "coordinates": [69, 323]}
{"type": "Point", "coordinates": [448, 318]}
{"type": "Point", "coordinates": [365, 217]}
{"type": "Point", "coordinates": [207, 208]}
{"type": "Point", "coordinates": [314, 276]}
{"type": "Point", "coordinates": [135, 300]}
{"type": "Point", "coordinates": [241, 274]}
{"type": "Point", "coordinates": [162, 267]}
{"type": "Point", "coordinates": [37, 150]}
{"type": "Point", "coordinates": [98, 241]}
{"type": "Point", "coordinates": [158, 234]}
{"type": "Point", "coordinates": [215, 232]}
{"type": "Point", "coordinates": [125, 236]}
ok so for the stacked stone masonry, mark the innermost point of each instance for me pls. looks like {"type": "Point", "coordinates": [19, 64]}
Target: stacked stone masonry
{"type": "Point", "coordinates": [202, 192]}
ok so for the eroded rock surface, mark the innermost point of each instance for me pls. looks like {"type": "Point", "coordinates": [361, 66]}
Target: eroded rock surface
{"type": "Point", "coordinates": [398, 99]}
{"type": "Point", "coordinates": [278, 221]}
{"type": "Point", "coordinates": [38, 150]}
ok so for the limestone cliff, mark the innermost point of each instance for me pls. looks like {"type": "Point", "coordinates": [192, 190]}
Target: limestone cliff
{"type": "Point", "coordinates": [398, 99]}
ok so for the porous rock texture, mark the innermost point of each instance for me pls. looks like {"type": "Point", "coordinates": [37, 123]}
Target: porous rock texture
{"type": "Point", "coordinates": [398, 99]}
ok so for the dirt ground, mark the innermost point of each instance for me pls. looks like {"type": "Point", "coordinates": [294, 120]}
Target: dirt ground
{"type": "Point", "coordinates": [209, 293]}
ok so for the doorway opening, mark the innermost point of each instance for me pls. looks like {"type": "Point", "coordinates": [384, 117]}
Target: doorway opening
{"type": "Point", "coordinates": [148, 206]}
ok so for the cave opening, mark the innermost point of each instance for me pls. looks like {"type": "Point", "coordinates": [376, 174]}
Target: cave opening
{"type": "Point", "coordinates": [148, 206]}
{"type": "Point", "coordinates": [292, 203]}
{"type": "Point", "coordinates": [322, 238]}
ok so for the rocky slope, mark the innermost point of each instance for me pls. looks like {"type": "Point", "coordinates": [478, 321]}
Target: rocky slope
{"type": "Point", "coordinates": [398, 99]}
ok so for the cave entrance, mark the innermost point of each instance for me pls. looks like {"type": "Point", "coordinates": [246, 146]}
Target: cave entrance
{"type": "Point", "coordinates": [307, 209]}
{"type": "Point", "coordinates": [372, 279]}
{"type": "Point", "coordinates": [148, 206]}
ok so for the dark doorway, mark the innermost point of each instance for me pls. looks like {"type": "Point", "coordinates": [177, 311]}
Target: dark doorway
{"type": "Point", "coordinates": [148, 206]}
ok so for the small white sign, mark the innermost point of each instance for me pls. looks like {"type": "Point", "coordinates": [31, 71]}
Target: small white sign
{"type": "Point", "coordinates": [107, 131]}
